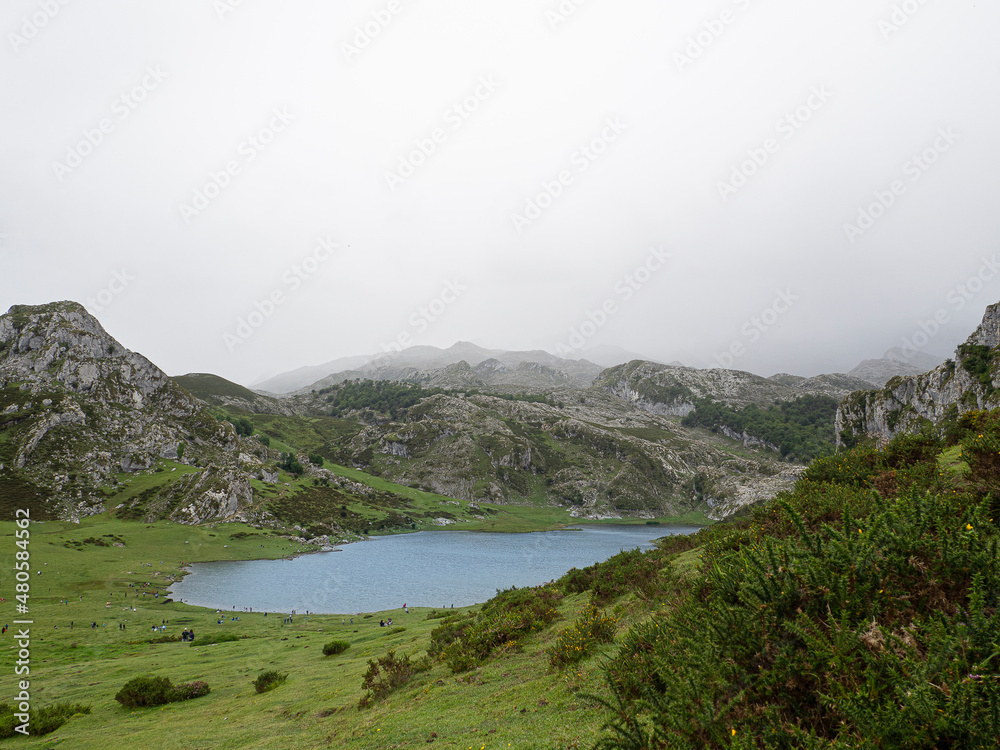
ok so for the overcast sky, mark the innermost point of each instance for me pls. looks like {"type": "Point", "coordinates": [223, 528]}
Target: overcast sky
{"type": "Point", "coordinates": [247, 187]}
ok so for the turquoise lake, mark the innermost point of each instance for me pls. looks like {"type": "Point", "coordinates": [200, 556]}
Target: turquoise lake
{"type": "Point", "coordinates": [425, 569]}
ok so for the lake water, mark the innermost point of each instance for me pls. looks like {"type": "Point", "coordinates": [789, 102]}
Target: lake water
{"type": "Point", "coordinates": [425, 569]}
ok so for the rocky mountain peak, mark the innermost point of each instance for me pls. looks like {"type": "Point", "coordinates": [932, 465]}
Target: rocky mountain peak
{"type": "Point", "coordinates": [988, 332]}
{"type": "Point", "coordinates": [77, 409]}
{"type": "Point", "coordinates": [64, 343]}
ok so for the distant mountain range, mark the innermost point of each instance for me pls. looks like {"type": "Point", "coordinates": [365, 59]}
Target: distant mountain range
{"type": "Point", "coordinates": [383, 365]}
{"type": "Point", "coordinates": [467, 365]}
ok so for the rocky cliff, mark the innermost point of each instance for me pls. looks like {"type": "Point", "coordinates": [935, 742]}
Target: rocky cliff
{"type": "Point", "coordinates": [78, 411]}
{"type": "Point", "coordinates": [672, 391]}
{"type": "Point", "coordinates": [969, 381]}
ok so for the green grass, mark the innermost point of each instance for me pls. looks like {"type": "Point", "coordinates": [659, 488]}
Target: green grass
{"type": "Point", "coordinates": [209, 388]}
{"type": "Point", "coordinates": [383, 485]}
{"type": "Point", "coordinates": [308, 434]}
{"type": "Point", "coordinates": [512, 700]}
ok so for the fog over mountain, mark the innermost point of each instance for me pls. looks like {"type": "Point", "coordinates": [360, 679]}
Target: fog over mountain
{"type": "Point", "coordinates": [249, 188]}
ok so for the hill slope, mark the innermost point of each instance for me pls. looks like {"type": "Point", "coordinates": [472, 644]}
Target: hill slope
{"type": "Point", "coordinates": [217, 391]}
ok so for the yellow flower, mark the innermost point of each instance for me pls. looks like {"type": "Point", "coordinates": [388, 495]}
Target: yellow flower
{"type": "Point", "coordinates": [968, 527]}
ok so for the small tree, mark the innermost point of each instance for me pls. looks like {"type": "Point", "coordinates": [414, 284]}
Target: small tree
{"type": "Point", "coordinates": [289, 463]}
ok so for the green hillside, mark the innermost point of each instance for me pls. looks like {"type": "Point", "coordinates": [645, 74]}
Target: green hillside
{"type": "Point", "coordinates": [857, 611]}
{"type": "Point", "coordinates": [210, 388]}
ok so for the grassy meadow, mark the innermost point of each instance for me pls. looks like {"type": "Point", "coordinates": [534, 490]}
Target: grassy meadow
{"type": "Point", "coordinates": [517, 701]}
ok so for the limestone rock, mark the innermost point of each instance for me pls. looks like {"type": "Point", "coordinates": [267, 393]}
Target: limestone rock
{"type": "Point", "coordinates": [80, 408]}
{"type": "Point", "coordinates": [906, 402]}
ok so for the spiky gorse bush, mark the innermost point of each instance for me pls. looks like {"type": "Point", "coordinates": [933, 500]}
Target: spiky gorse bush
{"type": "Point", "coordinates": [388, 673]}
{"type": "Point", "coordinates": [581, 639]}
{"type": "Point", "coordinates": [464, 642]}
{"type": "Point", "coordinates": [837, 618]}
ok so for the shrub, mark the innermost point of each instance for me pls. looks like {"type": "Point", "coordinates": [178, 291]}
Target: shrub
{"type": "Point", "coordinates": [836, 618]}
{"type": "Point", "coordinates": [630, 571]}
{"type": "Point", "coordinates": [384, 675]}
{"type": "Point", "coordinates": [503, 621]}
{"type": "Point", "coordinates": [140, 692]}
{"type": "Point", "coordinates": [576, 581]}
{"type": "Point", "coordinates": [579, 640]}
{"type": "Point", "coordinates": [41, 721]}
{"type": "Point", "coordinates": [189, 690]}
{"type": "Point", "coordinates": [335, 647]}
{"type": "Point", "coordinates": [269, 680]}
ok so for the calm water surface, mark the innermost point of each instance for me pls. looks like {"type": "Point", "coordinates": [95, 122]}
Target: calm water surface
{"type": "Point", "coordinates": [425, 569]}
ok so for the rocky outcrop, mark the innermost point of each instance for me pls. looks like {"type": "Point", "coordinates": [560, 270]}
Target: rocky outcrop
{"type": "Point", "coordinates": [216, 494]}
{"type": "Point", "coordinates": [671, 391]}
{"type": "Point", "coordinates": [748, 440]}
{"type": "Point", "coordinates": [78, 409]}
{"type": "Point", "coordinates": [968, 382]}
